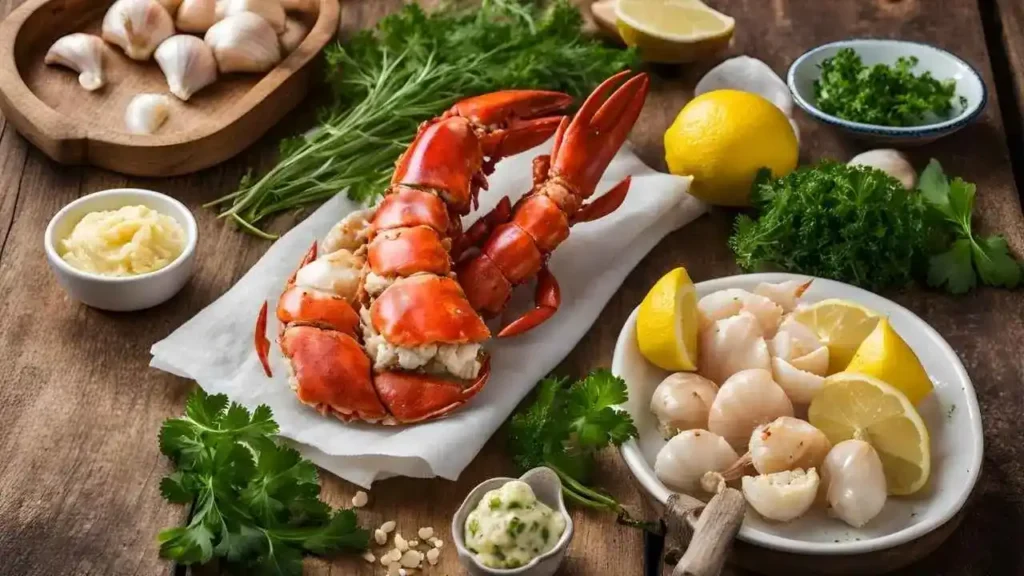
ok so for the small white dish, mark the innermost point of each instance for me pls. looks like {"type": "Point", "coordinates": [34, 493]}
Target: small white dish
{"type": "Point", "coordinates": [942, 65]}
{"type": "Point", "coordinates": [121, 294]}
{"type": "Point", "coordinates": [950, 412]}
{"type": "Point", "coordinates": [548, 489]}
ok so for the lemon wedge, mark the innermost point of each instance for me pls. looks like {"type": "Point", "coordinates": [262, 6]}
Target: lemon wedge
{"type": "Point", "coordinates": [858, 406]}
{"type": "Point", "coordinates": [885, 355]}
{"type": "Point", "coordinates": [673, 31]}
{"type": "Point", "coordinates": [666, 325]}
{"type": "Point", "coordinates": [841, 325]}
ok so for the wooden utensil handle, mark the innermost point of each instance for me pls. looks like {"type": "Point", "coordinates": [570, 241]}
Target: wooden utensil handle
{"type": "Point", "coordinates": [712, 537]}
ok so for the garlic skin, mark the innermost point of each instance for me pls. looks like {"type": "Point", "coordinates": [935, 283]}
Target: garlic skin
{"type": "Point", "coordinates": [892, 162]}
{"type": "Point", "coordinates": [781, 496]}
{"type": "Point", "coordinates": [82, 53]}
{"type": "Point", "coordinates": [196, 16]}
{"type": "Point", "coordinates": [269, 10]}
{"type": "Point", "coordinates": [243, 43]}
{"type": "Point", "coordinates": [732, 345]}
{"type": "Point", "coordinates": [681, 402]}
{"type": "Point", "coordinates": [146, 113]}
{"type": "Point", "coordinates": [730, 302]}
{"type": "Point", "coordinates": [787, 443]}
{"type": "Point", "coordinates": [853, 482]}
{"type": "Point", "coordinates": [294, 33]}
{"type": "Point", "coordinates": [137, 27]}
{"type": "Point", "coordinates": [187, 63]}
{"type": "Point", "coordinates": [683, 461]}
{"type": "Point", "coordinates": [746, 400]}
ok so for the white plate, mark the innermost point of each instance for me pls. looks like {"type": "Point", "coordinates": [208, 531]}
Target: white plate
{"type": "Point", "coordinates": [951, 414]}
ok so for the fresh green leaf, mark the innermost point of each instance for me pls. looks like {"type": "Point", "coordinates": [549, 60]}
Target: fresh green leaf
{"type": "Point", "coordinates": [178, 488]}
{"type": "Point", "coordinates": [187, 544]}
{"type": "Point", "coordinates": [995, 265]}
{"type": "Point", "coordinates": [952, 269]}
{"type": "Point", "coordinates": [589, 409]}
{"type": "Point", "coordinates": [935, 187]}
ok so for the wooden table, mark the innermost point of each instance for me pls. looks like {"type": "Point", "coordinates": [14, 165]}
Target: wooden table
{"type": "Point", "coordinates": [80, 410]}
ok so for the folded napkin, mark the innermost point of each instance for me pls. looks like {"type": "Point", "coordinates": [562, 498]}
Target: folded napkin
{"type": "Point", "coordinates": [215, 348]}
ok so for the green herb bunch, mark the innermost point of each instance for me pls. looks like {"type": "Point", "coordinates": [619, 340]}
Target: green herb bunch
{"type": "Point", "coordinates": [411, 67]}
{"type": "Point", "coordinates": [255, 503]}
{"type": "Point", "coordinates": [881, 95]}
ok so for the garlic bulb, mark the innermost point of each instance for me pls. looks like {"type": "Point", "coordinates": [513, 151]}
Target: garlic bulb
{"type": "Point", "coordinates": [137, 26]}
{"type": "Point", "coordinates": [294, 33]}
{"type": "Point", "coordinates": [853, 482]}
{"type": "Point", "coordinates": [269, 10]}
{"type": "Point", "coordinates": [243, 43]}
{"type": "Point", "coordinates": [892, 162]}
{"type": "Point", "coordinates": [730, 345]}
{"type": "Point", "coordinates": [781, 496]}
{"type": "Point", "coordinates": [82, 53]}
{"type": "Point", "coordinates": [681, 402]}
{"type": "Point", "coordinates": [730, 302]}
{"type": "Point", "coordinates": [196, 15]}
{"type": "Point", "coordinates": [745, 401]}
{"type": "Point", "coordinates": [146, 113]}
{"type": "Point", "coordinates": [785, 294]}
{"type": "Point", "coordinates": [683, 461]}
{"type": "Point", "coordinates": [187, 63]}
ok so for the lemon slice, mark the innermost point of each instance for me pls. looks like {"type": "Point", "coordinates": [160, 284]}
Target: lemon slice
{"type": "Point", "coordinates": [666, 325]}
{"type": "Point", "coordinates": [841, 325]}
{"type": "Point", "coordinates": [885, 355]}
{"type": "Point", "coordinates": [673, 31]}
{"type": "Point", "coordinates": [852, 405]}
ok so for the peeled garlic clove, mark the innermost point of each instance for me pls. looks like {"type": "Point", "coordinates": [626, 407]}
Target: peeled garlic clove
{"type": "Point", "coordinates": [795, 340]}
{"type": "Point", "coordinates": [683, 461]}
{"type": "Point", "coordinates": [681, 402]}
{"type": "Point", "coordinates": [781, 496]}
{"type": "Point", "coordinates": [749, 75]}
{"type": "Point", "coordinates": [269, 10]}
{"type": "Point", "coordinates": [800, 386]}
{"type": "Point", "coordinates": [746, 400]}
{"type": "Point", "coordinates": [730, 302]}
{"type": "Point", "coordinates": [82, 53]}
{"type": "Point", "coordinates": [294, 33]}
{"type": "Point", "coordinates": [243, 43]}
{"type": "Point", "coordinates": [170, 5]}
{"type": "Point", "coordinates": [787, 443]}
{"type": "Point", "coordinates": [731, 345]}
{"type": "Point", "coordinates": [785, 294]}
{"type": "Point", "coordinates": [187, 63]}
{"type": "Point", "coordinates": [146, 113]}
{"type": "Point", "coordinates": [853, 482]}
{"type": "Point", "coordinates": [892, 162]}
{"type": "Point", "coordinates": [196, 15]}
{"type": "Point", "coordinates": [137, 26]}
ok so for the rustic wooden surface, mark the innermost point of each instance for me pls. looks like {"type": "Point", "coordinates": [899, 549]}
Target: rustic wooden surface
{"type": "Point", "coordinates": [80, 410]}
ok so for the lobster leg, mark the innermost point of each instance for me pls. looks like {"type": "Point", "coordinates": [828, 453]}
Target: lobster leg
{"type": "Point", "coordinates": [262, 342]}
{"type": "Point", "coordinates": [481, 229]}
{"type": "Point", "coordinates": [604, 205]}
{"type": "Point", "coordinates": [548, 297]}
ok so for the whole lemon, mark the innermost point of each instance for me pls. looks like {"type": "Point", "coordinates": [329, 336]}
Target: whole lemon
{"type": "Point", "coordinates": [722, 138]}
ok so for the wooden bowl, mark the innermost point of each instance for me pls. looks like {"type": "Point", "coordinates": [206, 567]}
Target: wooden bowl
{"type": "Point", "coordinates": [73, 126]}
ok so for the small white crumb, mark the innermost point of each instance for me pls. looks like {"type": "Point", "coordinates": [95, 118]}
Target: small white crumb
{"type": "Point", "coordinates": [369, 557]}
{"type": "Point", "coordinates": [360, 499]}
{"type": "Point", "coordinates": [380, 536]}
{"type": "Point", "coordinates": [432, 555]}
{"type": "Point", "coordinates": [425, 533]}
{"type": "Point", "coordinates": [394, 569]}
{"type": "Point", "coordinates": [402, 572]}
{"type": "Point", "coordinates": [411, 559]}
{"type": "Point", "coordinates": [414, 543]}
{"type": "Point", "coordinates": [437, 542]}
{"type": "Point", "coordinates": [395, 555]}
{"type": "Point", "coordinates": [385, 560]}
{"type": "Point", "coordinates": [388, 527]}
{"type": "Point", "coordinates": [400, 543]}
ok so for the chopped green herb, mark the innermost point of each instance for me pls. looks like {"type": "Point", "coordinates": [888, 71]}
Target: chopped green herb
{"type": "Point", "coordinates": [474, 527]}
{"type": "Point", "coordinates": [495, 503]}
{"type": "Point", "coordinates": [545, 534]}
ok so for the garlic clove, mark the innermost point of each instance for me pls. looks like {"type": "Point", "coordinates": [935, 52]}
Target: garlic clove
{"type": "Point", "coordinates": [196, 15]}
{"type": "Point", "coordinates": [730, 302]}
{"type": "Point", "coordinates": [82, 53]}
{"type": "Point", "coordinates": [746, 400]}
{"type": "Point", "coordinates": [294, 33]}
{"type": "Point", "coordinates": [787, 443]}
{"type": "Point", "coordinates": [244, 42]}
{"type": "Point", "coordinates": [170, 5]}
{"type": "Point", "coordinates": [137, 27]}
{"type": "Point", "coordinates": [681, 402]}
{"type": "Point", "coordinates": [785, 294]}
{"type": "Point", "coordinates": [269, 10]}
{"type": "Point", "coordinates": [146, 113]}
{"type": "Point", "coordinates": [687, 457]}
{"type": "Point", "coordinates": [304, 6]}
{"type": "Point", "coordinates": [731, 345]}
{"type": "Point", "coordinates": [892, 162]}
{"type": "Point", "coordinates": [781, 496]}
{"type": "Point", "coordinates": [800, 385]}
{"type": "Point", "coordinates": [853, 482]}
{"type": "Point", "coordinates": [187, 63]}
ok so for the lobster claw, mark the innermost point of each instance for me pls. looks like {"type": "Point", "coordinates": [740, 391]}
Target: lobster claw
{"type": "Point", "coordinates": [412, 397]}
{"type": "Point", "coordinates": [513, 120]}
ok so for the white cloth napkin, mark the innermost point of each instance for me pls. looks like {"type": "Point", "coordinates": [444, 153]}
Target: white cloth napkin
{"type": "Point", "coordinates": [215, 348]}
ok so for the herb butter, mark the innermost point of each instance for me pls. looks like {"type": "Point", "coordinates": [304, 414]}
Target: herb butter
{"type": "Point", "coordinates": [128, 241]}
{"type": "Point", "coordinates": [509, 527]}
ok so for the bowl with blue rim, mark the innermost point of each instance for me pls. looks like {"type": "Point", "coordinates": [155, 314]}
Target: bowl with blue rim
{"type": "Point", "coordinates": [968, 100]}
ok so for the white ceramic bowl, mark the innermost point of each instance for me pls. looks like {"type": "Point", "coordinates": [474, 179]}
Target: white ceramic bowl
{"type": "Point", "coordinates": [121, 294]}
{"type": "Point", "coordinates": [548, 489]}
{"type": "Point", "coordinates": [951, 414]}
{"type": "Point", "coordinates": [942, 65]}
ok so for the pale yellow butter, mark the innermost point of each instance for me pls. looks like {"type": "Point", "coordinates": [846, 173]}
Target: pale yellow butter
{"type": "Point", "coordinates": [128, 241]}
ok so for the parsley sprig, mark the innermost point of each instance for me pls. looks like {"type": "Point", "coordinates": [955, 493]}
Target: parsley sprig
{"type": "Point", "coordinates": [565, 426]}
{"type": "Point", "coordinates": [255, 502]}
{"type": "Point", "coordinates": [881, 95]}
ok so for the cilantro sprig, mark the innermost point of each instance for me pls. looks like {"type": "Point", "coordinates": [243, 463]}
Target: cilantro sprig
{"type": "Point", "coordinates": [565, 426]}
{"type": "Point", "coordinates": [881, 95]}
{"type": "Point", "coordinates": [255, 503]}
